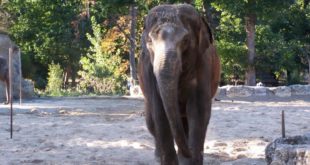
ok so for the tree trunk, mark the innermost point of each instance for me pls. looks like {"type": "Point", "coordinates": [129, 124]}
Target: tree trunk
{"type": "Point", "coordinates": [133, 13]}
{"type": "Point", "coordinates": [208, 14]}
{"type": "Point", "coordinates": [87, 9]}
{"type": "Point", "coordinates": [306, 2]}
{"type": "Point", "coordinates": [250, 21]}
{"type": "Point", "coordinates": [74, 70]}
{"type": "Point", "coordinates": [308, 58]}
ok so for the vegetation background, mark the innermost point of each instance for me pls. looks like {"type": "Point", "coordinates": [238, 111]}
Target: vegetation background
{"type": "Point", "coordinates": [74, 47]}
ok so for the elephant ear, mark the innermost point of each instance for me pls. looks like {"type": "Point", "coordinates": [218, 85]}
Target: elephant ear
{"type": "Point", "coordinates": [205, 36]}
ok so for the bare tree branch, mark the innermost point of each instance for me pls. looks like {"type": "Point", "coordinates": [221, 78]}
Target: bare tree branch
{"type": "Point", "coordinates": [123, 31]}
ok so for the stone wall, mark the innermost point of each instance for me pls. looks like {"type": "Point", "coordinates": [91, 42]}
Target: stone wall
{"type": "Point", "coordinates": [27, 85]}
{"type": "Point", "coordinates": [247, 91]}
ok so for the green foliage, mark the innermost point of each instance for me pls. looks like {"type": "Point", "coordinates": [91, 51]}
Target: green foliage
{"type": "Point", "coordinates": [233, 60]}
{"type": "Point", "coordinates": [101, 70]}
{"type": "Point", "coordinates": [293, 25]}
{"type": "Point", "coordinates": [274, 54]}
{"type": "Point", "coordinates": [56, 31]}
{"type": "Point", "coordinates": [198, 5]}
{"type": "Point", "coordinates": [48, 31]}
{"type": "Point", "coordinates": [231, 47]}
{"type": "Point", "coordinates": [294, 78]}
{"type": "Point", "coordinates": [262, 8]}
{"type": "Point", "coordinates": [54, 79]}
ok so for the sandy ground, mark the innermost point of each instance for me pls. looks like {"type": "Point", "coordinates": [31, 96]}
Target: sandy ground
{"type": "Point", "coordinates": [112, 131]}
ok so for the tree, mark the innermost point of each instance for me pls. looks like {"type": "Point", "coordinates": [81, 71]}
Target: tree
{"type": "Point", "coordinates": [46, 32]}
{"type": "Point", "coordinates": [133, 72]}
{"type": "Point", "coordinates": [4, 18]}
{"type": "Point", "coordinates": [294, 25]}
{"type": "Point", "coordinates": [131, 37]}
{"type": "Point", "coordinates": [249, 11]}
{"type": "Point", "coordinates": [103, 70]}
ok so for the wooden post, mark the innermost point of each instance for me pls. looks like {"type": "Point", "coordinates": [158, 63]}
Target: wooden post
{"type": "Point", "coordinates": [283, 124]}
{"type": "Point", "coordinates": [11, 90]}
{"type": "Point", "coordinates": [20, 77]}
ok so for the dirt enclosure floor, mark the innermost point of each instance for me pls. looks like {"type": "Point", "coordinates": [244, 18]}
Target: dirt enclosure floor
{"type": "Point", "coordinates": [112, 131]}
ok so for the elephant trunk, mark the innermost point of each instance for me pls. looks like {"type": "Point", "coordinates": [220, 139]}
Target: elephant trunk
{"type": "Point", "coordinates": [167, 68]}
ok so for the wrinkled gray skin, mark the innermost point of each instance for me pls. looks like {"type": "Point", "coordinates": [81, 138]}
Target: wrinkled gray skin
{"type": "Point", "coordinates": [4, 76]}
{"type": "Point", "coordinates": [178, 75]}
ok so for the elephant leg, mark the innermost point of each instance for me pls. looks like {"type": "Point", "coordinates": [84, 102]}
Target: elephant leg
{"type": "Point", "coordinates": [199, 111]}
{"type": "Point", "coordinates": [184, 118]}
{"type": "Point", "coordinates": [185, 125]}
{"type": "Point", "coordinates": [149, 118]}
{"type": "Point", "coordinates": [164, 139]}
{"type": "Point", "coordinates": [184, 160]}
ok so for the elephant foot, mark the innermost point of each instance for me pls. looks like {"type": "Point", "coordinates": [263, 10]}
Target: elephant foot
{"type": "Point", "coordinates": [184, 160]}
{"type": "Point", "coordinates": [157, 155]}
{"type": "Point", "coordinates": [189, 161]}
{"type": "Point", "coordinates": [169, 159]}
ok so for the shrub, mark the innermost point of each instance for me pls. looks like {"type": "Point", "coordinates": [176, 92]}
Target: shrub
{"type": "Point", "coordinates": [54, 80]}
{"type": "Point", "coordinates": [103, 69]}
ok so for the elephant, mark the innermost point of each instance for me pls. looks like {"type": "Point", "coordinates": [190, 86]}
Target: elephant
{"type": "Point", "coordinates": [4, 76]}
{"type": "Point", "coordinates": [178, 72]}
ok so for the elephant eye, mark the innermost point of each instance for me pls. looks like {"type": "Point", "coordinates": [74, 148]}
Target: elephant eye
{"type": "Point", "coordinates": [185, 41]}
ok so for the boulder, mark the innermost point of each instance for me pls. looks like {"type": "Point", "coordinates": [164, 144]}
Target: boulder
{"type": "Point", "coordinates": [27, 85]}
{"type": "Point", "coordinates": [281, 91]}
{"type": "Point", "coordinates": [246, 91]}
{"type": "Point", "coordinates": [27, 90]}
{"type": "Point", "coordinates": [239, 91]}
{"type": "Point", "coordinates": [300, 89]}
{"type": "Point", "coordinates": [135, 90]}
{"type": "Point", "coordinates": [289, 151]}
{"type": "Point", "coordinates": [260, 91]}
{"type": "Point", "coordinates": [221, 91]}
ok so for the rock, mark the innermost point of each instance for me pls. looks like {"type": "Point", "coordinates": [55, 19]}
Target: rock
{"type": "Point", "coordinates": [2, 91]}
{"type": "Point", "coordinates": [300, 89]}
{"type": "Point", "coordinates": [290, 150]}
{"type": "Point", "coordinates": [271, 91]}
{"type": "Point", "coordinates": [33, 111]}
{"type": "Point", "coordinates": [239, 91]}
{"type": "Point", "coordinates": [135, 91]}
{"type": "Point", "coordinates": [27, 89]}
{"type": "Point", "coordinates": [260, 91]}
{"type": "Point", "coordinates": [221, 91]}
{"type": "Point", "coordinates": [27, 85]}
{"type": "Point", "coordinates": [245, 161]}
{"type": "Point", "coordinates": [281, 91]}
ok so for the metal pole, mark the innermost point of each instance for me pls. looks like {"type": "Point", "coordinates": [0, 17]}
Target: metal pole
{"type": "Point", "coordinates": [11, 91]}
{"type": "Point", "coordinates": [283, 124]}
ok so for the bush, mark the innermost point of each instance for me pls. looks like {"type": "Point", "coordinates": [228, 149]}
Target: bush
{"type": "Point", "coordinates": [54, 80]}
{"type": "Point", "coordinates": [101, 85]}
{"type": "Point", "coordinates": [103, 69]}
